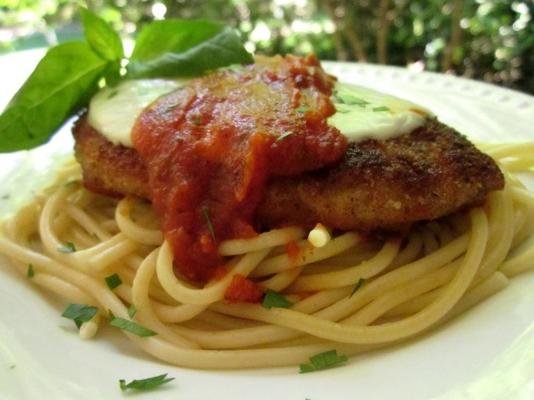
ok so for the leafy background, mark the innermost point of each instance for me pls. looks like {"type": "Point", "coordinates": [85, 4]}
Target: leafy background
{"type": "Point", "coordinates": [491, 40]}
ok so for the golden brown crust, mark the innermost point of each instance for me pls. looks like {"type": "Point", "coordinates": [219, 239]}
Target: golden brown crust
{"type": "Point", "coordinates": [424, 175]}
{"type": "Point", "coordinates": [109, 169]}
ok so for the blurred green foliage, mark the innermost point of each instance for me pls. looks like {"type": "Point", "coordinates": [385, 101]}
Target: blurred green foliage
{"type": "Point", "coordinates": [484, 39]}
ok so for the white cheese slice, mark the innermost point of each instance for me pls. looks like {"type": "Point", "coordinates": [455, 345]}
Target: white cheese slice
{"type": "Point", "coordinates": [113, 110]}
{"type": "Point", "coordinates": [361, 114]}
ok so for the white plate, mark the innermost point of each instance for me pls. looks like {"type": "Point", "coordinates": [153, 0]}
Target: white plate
{"type": "Point", "coordinates": [488, 353]}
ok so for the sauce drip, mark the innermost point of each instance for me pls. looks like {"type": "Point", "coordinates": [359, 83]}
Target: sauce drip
{"type": "Point", "coordinates": [211, 146]}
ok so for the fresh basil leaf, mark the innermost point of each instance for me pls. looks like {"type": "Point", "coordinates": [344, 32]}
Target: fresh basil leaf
{"type": "Point", "coordinates": [79, 313]}
{"type": "Point", "coordinates": [172, 36]}
{"type": "Point", "coordinates": [101, 37]}
{"type": "Point", "coordinates": [188, 58]}
{"type": "Point", "coordinates": [145, 384]}
{"type": "Point", "coordinates": [63, 81]}
{"type": "Point", "coordinates": [274, 299]}
{"type": "Point", "coordinates": [327, 359]}
{"type": "Point", "coordinates": [112, 73]}
{"type": "Point", "coordinates": [131, 327]}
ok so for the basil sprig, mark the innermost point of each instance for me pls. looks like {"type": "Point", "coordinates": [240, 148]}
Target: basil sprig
{"type": "Point", "coordinates": [186, 48]}
{"type": "Point", "coordinates": [101, 37]}
{"type": "Point", "coordinates": [69, 74]}
{"type": "Point", "coordinates": [63, 81]}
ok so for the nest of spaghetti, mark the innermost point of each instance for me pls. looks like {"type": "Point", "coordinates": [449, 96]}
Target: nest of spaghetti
{"type": "Point", "coordinates": [325, 291]}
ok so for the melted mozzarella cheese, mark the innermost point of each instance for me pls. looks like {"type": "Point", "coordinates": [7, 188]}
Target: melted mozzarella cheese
{"type": "Point", "coordinates": [361, 113]}
{"type": "Point", "coordinates": [113, 110]}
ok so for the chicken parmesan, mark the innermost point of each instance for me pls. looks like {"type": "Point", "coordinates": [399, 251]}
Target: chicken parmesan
{"type": "Point", "coordinates": [234, 211]}
{"type": "Point", "coordinates": [271, 145]}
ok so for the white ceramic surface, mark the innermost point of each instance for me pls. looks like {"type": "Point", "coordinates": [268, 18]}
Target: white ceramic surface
{"type": "Point", "coordinates": [488, 353]}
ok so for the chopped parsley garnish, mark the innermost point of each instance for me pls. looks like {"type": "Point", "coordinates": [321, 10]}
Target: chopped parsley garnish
{"type": "Point", "coordinates": [283, 136]}
{"type": "Point", "coordinates": [379, 109]}
{"type": "Point", "coordinates": [304, 108]}
{"type": "Point", "coordinates": [321, 361]}
{"type": "Point", "coordinates": [206, 214]}
{"type": "Point", "coordinates": [274, 299]}
{"type": "Point", "coordinates": [357, 286]}
{"type": "Point", "coordinates": [68, 247]}
{"type": "Point", "coordinates": [30, 272]}
{"type": "Point", "coordinates": [131, 327]}
{"type": "Point", "coordinates": [72, 183]}
{"type": "Point", "coordinates": [113, 281]}
{"type": "Point", "coordinates": [349, 99]}
{"type": "Point", "coordinates": [113, 93]}
{"type": "Point", "coordinates": [145, 384]}
{"type": "Point", "coordinates": [343, 108]}
{"type": "Point", "coordinates": [132, 310]}
{"type": "Point", "coordinates": [196, 120]}
{"type": "Point", "coordinates": [79, 313]}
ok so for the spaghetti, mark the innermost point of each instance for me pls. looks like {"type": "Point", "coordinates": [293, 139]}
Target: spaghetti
{"type": "Point", "coordinates": [346, 292]}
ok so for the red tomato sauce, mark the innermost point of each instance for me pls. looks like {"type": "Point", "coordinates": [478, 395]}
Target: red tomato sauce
{"type": "Point", "coordinates": [242, 289]}
{"type": "Point", "coordinates": [211, 146]}
{"type": "Point", "coordinates": [293, 251]}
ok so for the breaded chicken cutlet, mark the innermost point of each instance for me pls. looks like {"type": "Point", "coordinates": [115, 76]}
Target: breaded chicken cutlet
{"type": "Point", "coordinates": [423, 175]}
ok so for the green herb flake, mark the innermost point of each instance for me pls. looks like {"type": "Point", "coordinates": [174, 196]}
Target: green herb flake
{"type": "Point", "coordinates": [196, 120]}
{"type": "Point", "coordinates": [321, 361]}
{"type": "Point", "coordinates": [206, 215]}
{"type": "Point", "coordinates": [12, 366]}
{"type": "Point", "coordinates": [343, 108]}
{"type": "Point", "coordinates": [113, 281]}
{"type": "Point", "coordinates": [379, 109]}
{"type": "Point", "coordinates": [283, 136]}
{"type": "Point", "coordinates": [349, 99]}
{"type": "Point", "coordinates": [30, 273]}
{"type": "Point", "coordinates": [357, 286]}
{"type": "Point", "coordinates": [71, 183]}
{"type": "Point", "coordinates": [131, 327]}
{"type": "Point", "coordinates": [113, 93]}
{"type": "Point", "coordinates": [79, 313]}
{"type": "Point", "coordinates": [132, 310]}
{"type": "Point", "coordinates": [304, 108]}
{"type": "Point", "coordinates": [144, 384]}
{"type": "Point", "coordinates": [274, 299]}
{"type": "Point", "coordinates": [68, 247]}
